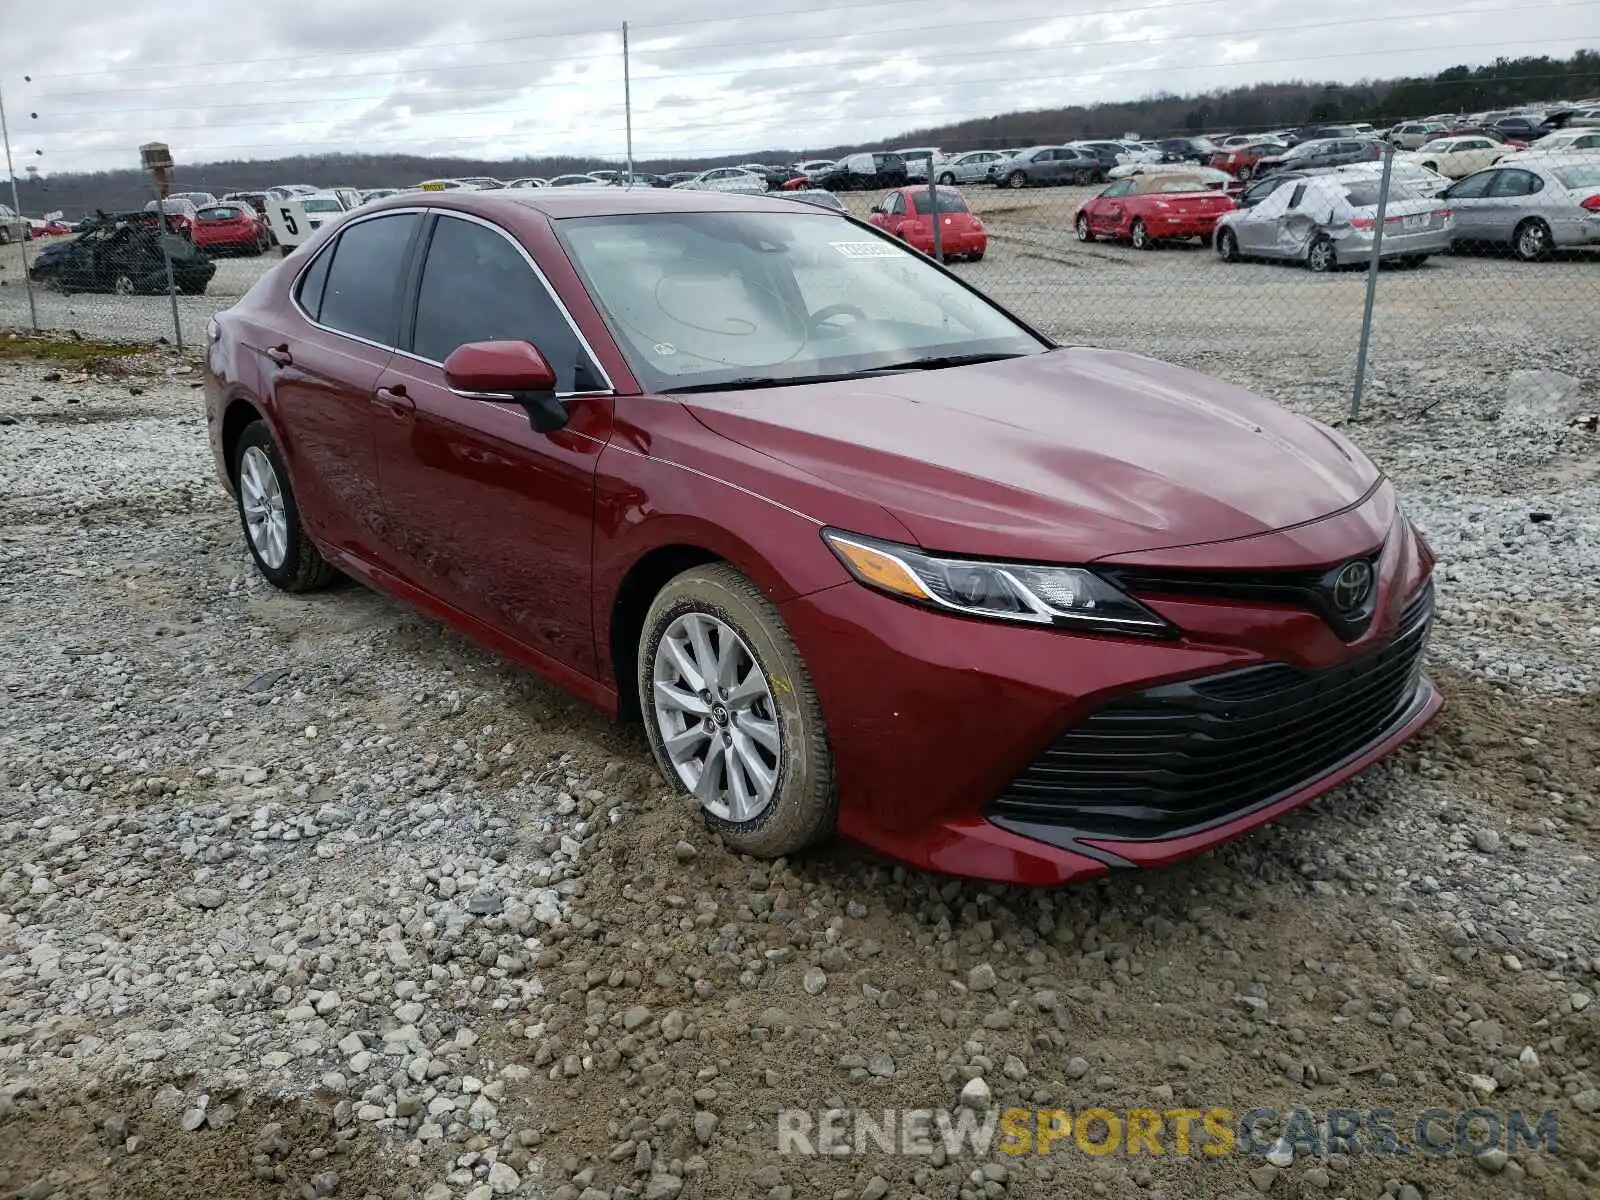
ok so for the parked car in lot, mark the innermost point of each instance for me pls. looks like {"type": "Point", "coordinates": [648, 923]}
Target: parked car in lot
{"type": "Point", "coordinates": [179, 215]}
{"type": "Point", "coordinates": [1533, 206]}
{"type": "Point", "coordinates": [13, 228]}
{"type": "Point", "coordinates": [917, 159]}
{"type": "Point", "coordinates": [1185, 150]}
{"type": "Point", "coordinates": [1326, 152]}
{"type": "Point", "coordinates": [1564, 143]}
{"type": "Point", "coordinates": [1047, 166]}
{"type": "Point", "coordinates": [1412, 135]}
{"type": "Point", "coordinates": [123, 253]}
{"type": "Point", "coordinates": [1458, 156]}
{"type": "Point", "coordinates": [819, 197]}
{"type": "Point", "coordinates": [1240, 160]}
{"type": "Point", "coordinates": [1328, 221]}
{"type": "Point", "coordinates": [1150, 209]}
{"type": "Point", "coordinates": [231, 229]}
{"type": "Point", "coordinates": [198, 199]}
{"type": "Point", "coordinates": [1524, 128]}
{"type": "Point", "coordinates": [528, 181]}
{"type": "Point", "coordinates": [587, 181]}
{"type": "Point", "coordinates": [864, 172]}
{"type": "Point", "coordinates": [834, 553]}
{"type": "Point", "coordinates": [727, 179]}
{"type": "Point", "coordinates": [971, 167]}
{"type": "Point", "coordinates": [908, 214]}
{"type": "Point", "coordinates": [813, 168]}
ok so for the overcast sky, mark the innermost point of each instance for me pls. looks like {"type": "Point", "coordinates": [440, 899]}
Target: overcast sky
{"type": "Point", "coordinates": [499, 78]}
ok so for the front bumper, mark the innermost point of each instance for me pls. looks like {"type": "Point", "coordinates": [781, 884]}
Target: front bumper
{"type": "Point", "coordinates": [934, 721]}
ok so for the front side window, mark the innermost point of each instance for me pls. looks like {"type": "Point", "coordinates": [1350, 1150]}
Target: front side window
{"type": "Point", "coordinates": [477, 287]}
{"type": "Point", "coordinates": [705, 299]}
{"type": "Point", "coordinates": [1473, 187]}
{"type": "Point", "coordinates": [362, 294]}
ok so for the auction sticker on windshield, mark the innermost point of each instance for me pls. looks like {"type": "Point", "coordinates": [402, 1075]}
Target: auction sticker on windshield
{"type": "Point", "coordinates": [865, 249]}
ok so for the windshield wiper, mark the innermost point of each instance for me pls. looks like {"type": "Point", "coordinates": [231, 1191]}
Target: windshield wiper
{"type": "Point", "coordinates": [751, 382]}
{"type": "Point", "coordinates": [937, 361]}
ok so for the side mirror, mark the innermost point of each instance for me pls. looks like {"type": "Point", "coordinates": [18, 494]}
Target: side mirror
{"type": "Point", "coordinates": [876, 208]}
{"type": "Point", "coordinates": [508, 370]}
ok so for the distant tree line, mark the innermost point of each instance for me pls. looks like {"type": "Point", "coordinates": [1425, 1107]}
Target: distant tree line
{"type": "Point", "coordinates": [1505, 83]}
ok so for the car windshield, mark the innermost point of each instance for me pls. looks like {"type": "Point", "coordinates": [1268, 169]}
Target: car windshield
{"type": "Point", "coordinates": [321, 204]}
{"type": "Point", "coordinates": [948, 202]}
{"type": "Point", "coordinates": [1586, 175]}
{"type": "Point", "coordinates": [744, 298]}
{"type": "Point", "coordinates": [1365, 193]}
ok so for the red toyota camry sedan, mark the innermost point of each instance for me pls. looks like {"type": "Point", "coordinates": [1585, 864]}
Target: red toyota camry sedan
{"type": "Point", "coordinates": [863, 551]}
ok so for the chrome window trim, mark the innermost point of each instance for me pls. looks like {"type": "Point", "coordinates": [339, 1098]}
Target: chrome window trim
{"type": "Point", "coordinates": [610, 388]}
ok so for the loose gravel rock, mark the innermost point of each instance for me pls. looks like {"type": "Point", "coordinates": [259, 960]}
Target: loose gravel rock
{"type": "Point", "coordinates": [304, 896]}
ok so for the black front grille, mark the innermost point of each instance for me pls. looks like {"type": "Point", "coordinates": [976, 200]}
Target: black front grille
{"type": "Point", "coordinates": [1186, 754]}
{"type": "Point", "coordinates": [1308, 589]}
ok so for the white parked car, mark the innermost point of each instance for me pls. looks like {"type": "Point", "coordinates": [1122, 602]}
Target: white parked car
{"type": "Point", "coordinates": [297, 218]}
{"type": "Point", "coordinates": [575, 181]}
{"type": "Point", "coordinates": [1413, 135]}
{"type": "Point", "coordinates": [528, 181]}
{"type": "Point", "coordinates": [971, 167]}
{"type": "Point", "coordinates": [917, 164]}
{"type": "Point", "coordinates": [814, 168]}
{"type": "Point", "coordinates": [1329, 221]}
{"type": "Point", "coordinates": [1563, 142]}
{"type": "Point", "coordinates": [1585, 118]}
{"type": "Point", "coordinates": [1459, 156]}
{"type": "Point", "coordinates": [727, 179]}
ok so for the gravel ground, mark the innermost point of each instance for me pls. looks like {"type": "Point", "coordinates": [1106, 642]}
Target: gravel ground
{"type": "Point", "coordinates": [308, 897]}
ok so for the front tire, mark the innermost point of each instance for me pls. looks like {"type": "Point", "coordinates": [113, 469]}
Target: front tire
{"type": "Point", "coordinates": [270, 517]}
{"type": "Point", "coordinates": [1228, 246]}
{"type": "Point", "coordinates": [731, 713]}
{"type": "Point", "coordinates": [947, 180]}
{"type": "Point", "coordinates": [1085, 234]}
{"type": "Point", "coordinates": [1016, 180]}
{"type": "Point", "coordinates": [1139, 237]}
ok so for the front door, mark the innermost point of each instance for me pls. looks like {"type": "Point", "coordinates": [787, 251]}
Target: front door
{"type": "Point", "coordinates": [484, 512]}
{"type": "Point", "coordinates": [1468, 201]}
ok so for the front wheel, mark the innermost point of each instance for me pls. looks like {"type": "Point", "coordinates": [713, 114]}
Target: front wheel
{"type": "Point", "coordinates": [1228, 246]}
{"type": "Point", "coordinates": [122, 285]}
{"type": "Point", "coordinates": [975, 256]}
{"type": "Point", "coordinates": [731, 714]}
{"type": "Point", "coordinates": [1140, 237]}
{"type": "Point", "coordinates": [1085, 234]}
{"type": "Point", "coordinates": [947, 179]}
{"type": "Point", "coordinates": [1016, 180]}
{"type": "Point", "coordinates": [270, 517]}
{"type": "Point", "coordinates": [1245, 172]}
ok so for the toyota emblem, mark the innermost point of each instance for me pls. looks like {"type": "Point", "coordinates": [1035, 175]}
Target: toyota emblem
{"type": "Point", "coordinates": [1352, 585]}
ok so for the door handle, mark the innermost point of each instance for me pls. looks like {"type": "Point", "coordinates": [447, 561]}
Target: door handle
{"type": "Point", "coordinates": [280, 355]}
{"type": "Point", "coordinates": [394, 399]}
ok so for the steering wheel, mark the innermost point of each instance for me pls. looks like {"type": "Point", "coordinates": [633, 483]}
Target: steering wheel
{"type": "Point", "coordinates": [823, 315]}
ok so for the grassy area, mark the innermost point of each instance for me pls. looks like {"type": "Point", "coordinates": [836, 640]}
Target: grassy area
{"type": "Point", "coordinates": [27, 347]}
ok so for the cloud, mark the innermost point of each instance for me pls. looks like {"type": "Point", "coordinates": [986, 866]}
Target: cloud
{"type": "Point", "coordinates": [708, 77]}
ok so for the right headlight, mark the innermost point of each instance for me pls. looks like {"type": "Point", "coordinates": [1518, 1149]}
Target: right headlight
{"type": "Point", "coordinates": [1070, 597]}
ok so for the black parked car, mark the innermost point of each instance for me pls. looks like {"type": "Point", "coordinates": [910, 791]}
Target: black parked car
{"type": "Point", "coordinates": [122, 253]}
{"type": "Point", "coordinates": [1177, 150]}
{"type": "Point", "coordinates": [1320, 133]}
{"type": "Point", "coordinates": [865, 171]}
{"type": "Point", "coordinates": [1324, 152]}
{"type": "Point", "coordinates": [1526, 129]}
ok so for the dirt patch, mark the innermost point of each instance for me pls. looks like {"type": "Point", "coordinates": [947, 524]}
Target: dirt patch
{"type": "Point", "coordinates": [67, 349]}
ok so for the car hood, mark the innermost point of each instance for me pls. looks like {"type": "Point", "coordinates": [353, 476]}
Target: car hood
{"type": "Point", "coordinates": [1065, 456]}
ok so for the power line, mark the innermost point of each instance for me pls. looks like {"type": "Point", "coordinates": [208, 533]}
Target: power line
{"type": "Point", "coordinates": [690, 128]}
{"type": "Point", "coordinates": [862, 61]}
{"type": "Point", "coordinates": [613, 29]}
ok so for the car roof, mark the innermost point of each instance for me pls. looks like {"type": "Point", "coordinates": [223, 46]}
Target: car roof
{"type": "Point", "coordinates": [558, 203]}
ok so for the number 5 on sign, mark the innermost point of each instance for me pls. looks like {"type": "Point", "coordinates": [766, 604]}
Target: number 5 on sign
{"type": "Point", "coordinates": [288, 224]}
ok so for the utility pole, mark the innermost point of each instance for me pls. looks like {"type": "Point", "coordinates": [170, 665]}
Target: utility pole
{"type": "Point", "coordinates": [16, 203]}
{"type": "Point", "coordinates": [627, 99]}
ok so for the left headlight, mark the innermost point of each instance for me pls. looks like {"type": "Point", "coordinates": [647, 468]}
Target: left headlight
{"type": "Point", "coordinates": [1073, 597]}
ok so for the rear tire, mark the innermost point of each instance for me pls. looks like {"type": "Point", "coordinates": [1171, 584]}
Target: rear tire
{"type": "Point", "coordinates": [738, 625]}
{"type": "Point", "coordinates": [1321, 258]}
{"type": "Point", "coordinates": [298, 567]}
{"type": "Point", "coordinates": [947, 180]}
{"type": "Point", "coordinates": [1532, 240]}
{"type": "Point", "coordinates": [975, 256]}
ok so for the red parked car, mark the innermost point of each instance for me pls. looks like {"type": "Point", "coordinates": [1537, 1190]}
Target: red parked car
{"type": "Point", "coordinates": [1240, 161]}
{"type": "Point", "coordinates": [863, 551]}
{"type": "Point", "coordinates": [231, 228]}
{"type": "Point", "coordinates": [1149, 209]}
{"type": "Point", "coordinates": [907, 213]}
{"type": "Point", "coordinates": [179, 215]}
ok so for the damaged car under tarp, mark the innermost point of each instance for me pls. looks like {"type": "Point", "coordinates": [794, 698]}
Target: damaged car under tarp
{"type": "Point", "coordinates": [122, 253]}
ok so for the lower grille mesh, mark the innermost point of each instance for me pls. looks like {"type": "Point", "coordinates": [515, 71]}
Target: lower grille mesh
{"type": "Point", "coordinates": [1181, 755]}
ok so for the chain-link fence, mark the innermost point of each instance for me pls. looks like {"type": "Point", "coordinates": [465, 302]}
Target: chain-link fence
{"type": "Point", "coordinates": [1344, 273]}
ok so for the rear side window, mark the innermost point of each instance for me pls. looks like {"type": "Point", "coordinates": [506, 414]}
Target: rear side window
{"type": "Point", "coordinates": [311, 285]}
{"type": "Point", "coordinates": [477, 287]}
{"type": "Point", "coordinates": [361, 296]}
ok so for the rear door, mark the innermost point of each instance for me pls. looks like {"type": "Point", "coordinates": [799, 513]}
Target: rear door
{"type": "Point", "coordinates": [1512, 196]}
{"type": "Point", "coordinates": [323, 371]}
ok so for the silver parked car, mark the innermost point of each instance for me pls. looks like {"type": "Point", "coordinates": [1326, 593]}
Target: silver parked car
{"type": "Point", "coordinates": [1328, 221]}
{"type": "Point", "coordinates": [1413, 135]}
{"type": "Point", "coordinates": [971, 167]}
{"type": "Point", "coordinates": [12, 227]}
{"type": "Point", "coordinates": [1533, 206]}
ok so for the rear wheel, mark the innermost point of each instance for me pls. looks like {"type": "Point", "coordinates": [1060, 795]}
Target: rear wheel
{"type": "Point", "coordinates": [1246, 171]}
{"type": "Point", "coordinates": [270, 517]}
{"type": "Point", "coordinates": [1228, 246]}
{"type": "Point", "coordinates": [975, 256]}
{"type": "Point", "coordinates": [731, 713]}
{"type": "Point", "coordinates": [1140, 237]}
{"type": "Point", "coordinates": [1322, 257]}
{"type": "Point", "coordinates": [947, 179]}
{"type": "Point", "coordinates": [122, 285]}
{"type": "Point", "coordinates": [1532, 240]}
{"type": "Point", "coordinates": [1085, 234]}
{"type": "Point", "coordinates": [5, 236]}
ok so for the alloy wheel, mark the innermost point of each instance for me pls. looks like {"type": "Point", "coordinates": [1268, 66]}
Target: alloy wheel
{"type": "Point", "coordinates": [261, 498]}
{"type": "Point", "coordinates": [716, 717]}
{"type": "Point", "coordinates": [1227, 246]}
{"type": "Point", "coordinates": [1084, 232]}
{"type": "Point", "coordinates": [1139, 236]}
{"type": "Point", "coordinates": [1532, 241]}
{"type": "Point", "coordinates": [1321, 257]}
{"type": "Point", "coordinates": [122, 285]}
{"type": "Point", "coordinates": [1017, 179]}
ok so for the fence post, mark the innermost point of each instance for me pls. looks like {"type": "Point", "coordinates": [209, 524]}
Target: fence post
{"type": "Point", "coordinates": [1373, 262]}
{"type": "Point", "coordinates": [16, 202]}
{"type": "Point", "coordinates": [163, 229]}
{"type": "Point", "coordinates": [933, 202]}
